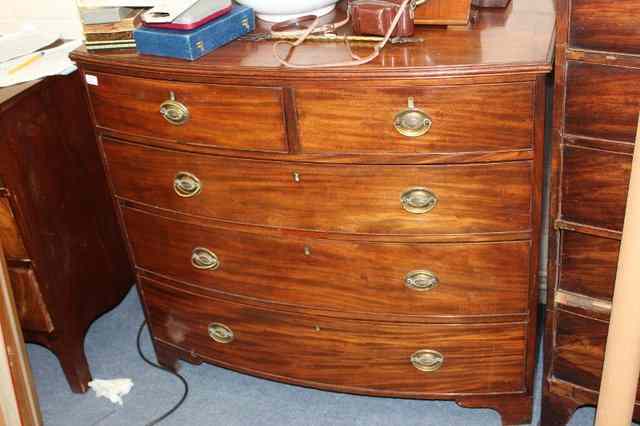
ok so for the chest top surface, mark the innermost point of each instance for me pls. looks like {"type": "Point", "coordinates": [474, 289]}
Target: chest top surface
{"type": "Point", "coordinates": [516, 39]}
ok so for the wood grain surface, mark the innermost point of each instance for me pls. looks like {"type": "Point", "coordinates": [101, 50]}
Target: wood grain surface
{"type": "Point", "coordinates": [220, 116]}
{"type": "Point", "coordinates": [588, 264]}
{"type": "Point", "coordinates": [355, 277]}
{"type": "Point", "coordinates": [602, 101]}
{"type": "Point", "coordinates": [59, 195]}
{"type": "Point", "coordinates": [605, 25]}
{"type": "Point", "coordinates": [353, 199]}
{"type": "Point", "coordinates": [499, 42]}
{"type": "Point", "coordinates": [467, 118]}
{"type": "Point", "coordinates": [579, 349]}
{"type": "Point", "coordinates": [10, 236]}
{"type": "Point", "coordinates": [355, 356]}
{"type": "Point", "coordinates": [30, 305]}
{"type": "Point", "coordinates": [594, 187]}
{"type": "Point", "coordinates": [443, 12]}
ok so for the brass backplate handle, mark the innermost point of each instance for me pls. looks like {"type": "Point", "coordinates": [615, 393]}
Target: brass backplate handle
{"type": "Point", "coordinates": [220, 333]}
{"type": "Point", "coordinates": [186, 184]}
{"type": "Point", "coordinates": [418, 200]}
{"type": "Point", "coordinates": [427, 360]}
{"type": "Point", "coordinates": [421, 280]}
{"type": "Point", "coordinates": [174, 112]}
{"type": "Point", "coordinates": [204, 259]}
{"type": "Point", "coordinates": [412, 122]}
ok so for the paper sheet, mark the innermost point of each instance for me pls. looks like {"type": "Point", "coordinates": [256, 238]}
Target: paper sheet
{"type": "Point", "coordinates": [54, 61]}
{"type": "Point", "coordinates": [24, 42]}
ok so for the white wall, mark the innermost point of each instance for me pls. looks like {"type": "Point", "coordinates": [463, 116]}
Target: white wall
{"type": "Point", "coordinates": [56, 15]}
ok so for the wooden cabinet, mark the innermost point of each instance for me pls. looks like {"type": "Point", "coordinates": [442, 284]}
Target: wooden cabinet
{"type": "Point", "coordinates": [289, 223]}
{"type": "Point", "coordinates": [595, 120]}
{"type": "Point", "coordinates": [67, 260]}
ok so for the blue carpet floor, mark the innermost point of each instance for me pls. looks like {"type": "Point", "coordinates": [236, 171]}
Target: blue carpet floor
{"type": "Point", "coordinates": [221, 397]}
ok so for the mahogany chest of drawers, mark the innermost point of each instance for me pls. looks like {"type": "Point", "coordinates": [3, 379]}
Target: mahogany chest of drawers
{"type": "Point", "coordinates": [372, 230]}
{"type": "Point", "coordinates": [595, 120]}
{"type": "Point", "coordinates": [67, 261]}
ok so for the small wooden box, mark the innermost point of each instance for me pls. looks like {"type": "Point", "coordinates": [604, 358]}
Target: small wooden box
{"type": "Point", "coordinates": [444, 12]}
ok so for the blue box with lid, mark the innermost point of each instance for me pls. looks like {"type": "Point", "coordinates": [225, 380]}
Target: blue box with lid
{"type": "Point", "coordinates": [196, 43]}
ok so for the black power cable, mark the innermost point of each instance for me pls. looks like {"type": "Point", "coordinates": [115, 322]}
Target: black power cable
{"type": "Point", "coordinates": [153, 364]}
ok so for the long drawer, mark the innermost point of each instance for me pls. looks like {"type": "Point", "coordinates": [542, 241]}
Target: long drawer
{"type": "Point", "coordinates": [602, 101]}
{"type": "Point", "coordinates": [594, 186]}
{"type": "Point", "coordinates": [403, 359]}
{"type": "Point", "coordinates": [464, 118]}
{"type": "Point", "coordinates": [10, 236]}
{"type": "Point", "coordinates": [375, 278]}
{"type": "Point", "coordinates": [400, 200]}
{"type": "Point", "coordinates": [588, 264]}
{"type": "Point", "coordinates": [608, 25]}
{"type": "Point", "coordinates": [197, 114]}
{"type": "Point", "coordinates": [579, 349]}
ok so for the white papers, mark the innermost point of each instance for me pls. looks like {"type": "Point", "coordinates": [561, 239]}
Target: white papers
{"type": "Point", "coordinates": [24, 42]}
{"type": "Point", "coordinates": [30, 67]}
{"type": "Point", "coordinates": [113, 390]}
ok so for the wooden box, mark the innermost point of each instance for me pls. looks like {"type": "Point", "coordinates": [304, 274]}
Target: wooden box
{"type": "Point", "coordinates": [443, 12]}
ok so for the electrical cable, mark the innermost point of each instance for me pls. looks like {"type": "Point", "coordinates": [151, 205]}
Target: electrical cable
{"type": "Point", "coordinates": [158, 366]}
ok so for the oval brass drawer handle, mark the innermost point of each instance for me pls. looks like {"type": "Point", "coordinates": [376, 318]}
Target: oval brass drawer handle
{"type": "Point", "coordinates": [418, 200]}
{"type": "Point", "coordinates": [412, 122]}
{"type": "Point", "coordinates": [202, 258]}
{"type": "Point", "coordinates": [174, 112]}
{"type": "Point", "coordinates": [220, 333]}
{"type": "Point", "coordinates": [427, 360]}
{"type": "Point", "coordinates": [186, 185]}
{"type": "Point", "coordinates": [422, 280]}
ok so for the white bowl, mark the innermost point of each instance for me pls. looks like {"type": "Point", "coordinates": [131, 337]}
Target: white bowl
{"type": "Point", "coordinates": [282, 10]}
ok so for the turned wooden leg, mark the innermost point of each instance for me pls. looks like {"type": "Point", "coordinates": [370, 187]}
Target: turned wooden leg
{"type": "Point", "coordinates": [74, 365]}
{"type": "Point", "coordinates": [514, 410]}
{"type": "Point", "coordinates": [556, 410]}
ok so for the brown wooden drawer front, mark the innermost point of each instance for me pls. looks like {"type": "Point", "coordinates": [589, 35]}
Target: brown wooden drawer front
{"type": "Point", "coordinates": [579, 353]}
{"type": "Point", "coordinates": [30, 304]}
{"type": "Point", "coordinates": [594, 187]}
{"type": "Point", "coordinates": [10, 236]}
{"type": "Point", "coordinates": [602, 101]}
{"type": "Point", "coordinates": [360, 356]}
{"type": "Point", "coordinates": [608, 25]}
{"type": "Point", "coordinates": [588, 264]}
{"type": "Point", "coordinates": [350, 199]}
{"type": "Point", "coordinates": [337, 275]}
{"type": "Point", "coordinates": [220, 116]}
{"type": "Point", "coordinates": [465, 119]}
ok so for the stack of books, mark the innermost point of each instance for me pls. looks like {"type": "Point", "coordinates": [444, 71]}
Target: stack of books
{"type": "Point", "coordinates": [194, 31]}
{"type": "Point", "coordinates": [108, 28]}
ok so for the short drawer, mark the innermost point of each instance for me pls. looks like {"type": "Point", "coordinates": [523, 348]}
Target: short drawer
{"type": "Point", "coordinates": [594, 187]}
{"type": "Point", "coordinates": [608, 25]}
{"type": "Point", "coordinates": [10, 237]}
{"type": "Point", "coordinates": [466, 118]}
{"type": "Point", "coordinates": [217, 116]}
{"type": "Point", "coordinates": [579, 349]}
{"type": "Point", "coordinates": [402, 200]}
{"type": "Point", "coordinates": [32, 310]}
{"type": "Point", "coordinates": [360, 277]}
{"type": "Point", "coordinates": [360, 356]}
{"type": "Point", "coordinates": [602, 101]}
{"type": "Point", "coordinates": [588, 264]}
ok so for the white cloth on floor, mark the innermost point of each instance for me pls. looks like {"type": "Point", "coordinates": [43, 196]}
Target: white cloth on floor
{"type": "Point", "coordinates": [113, 389]}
